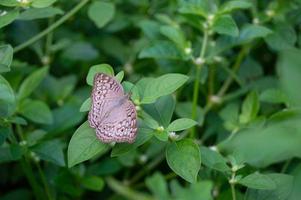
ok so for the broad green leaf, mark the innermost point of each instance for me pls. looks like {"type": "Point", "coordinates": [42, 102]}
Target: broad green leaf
{"type": "Point", "coordinates": [10, 153]}
{"type": "Point", "coordinates": [10, 3]}
{"type": "Point", "coordinates": [7, 98]}
{"type": "Point", "coordinates": [276, 142]}
{"type": "Point", "coordinates": [84, 145]}
{"type": "Point", "coordinates": [194, 7]}
{"type": "Point", "coordinates": [200, 190]}
{"type": "Point", "coordinates": [93, 183]}
{"type": "Point", "coordinates": [161, 135]}
{"type": "Point", "coordinates": [273, 96]}
{"type": "Point", "coordinates": [39, 13]}
{"type": "Point", "coordinates": [214, 160]}
{"type": "Point", "coordinates": [161, 50]}
{"type": "Point", "coordinates": [51, 151]}
{"type": "Point", "coordinates": [250, 108]}
{"type": "Point", "coordinates": [225, 24]}
{"type": "Point", "coordinates": [161, 111]}
{"type": "Point", "coordinates": [35, 136]}
{"type": "Point", "coordinates": [42, 3]}
{"type": "Point", "coordinates": [32, 82]}
{"type": "Point", "coordinates": [284, 184]}
{"type": "Point", "coordinates": [290, 75]}
{"type": "Point", "coordinates": [175, 35]}
{"type": "Point", "coordinates": [258, 181]}
{"type": "Point", "coordinates": [230, 6]}
{"type": "Point", "coordinates": [162, 86]}
{"type": "Point", "coordinates": [284, 37]}
{"type": "Point", "coordinates": [107, 166]}
{"type": "Point", "coordinates": [183, 110]}
{"type": "Point", "coordinates": [7, 17]}
{"type": "Point", "coordinates": [17, 120]}
{"type": "Point", "coordinates": [6, 57]}
{"type": "Point", "coordinates": [101, 68]}
{"type": "Point", "coordinates": [252, 31]}
{"type": "Point", "coordinates": [86, 106]}
{"type": "Point", "coordinates": [101, 13]}
{"type": "Point", "coordinates": [37, 111]}
{"type": "Point", "coordinates": [157, 185]}
{"type": "Point", "coordinates": [230, 114]}
{"type": "Point", "coordinates": [5, 132]}
{"type": "Point", "coordinates": [183, 157]}
{"type": "Point", "coordinates": [181, 124]}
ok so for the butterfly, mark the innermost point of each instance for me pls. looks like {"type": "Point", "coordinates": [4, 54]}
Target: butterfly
{"type": "Point", "coordinates": [112, 114]}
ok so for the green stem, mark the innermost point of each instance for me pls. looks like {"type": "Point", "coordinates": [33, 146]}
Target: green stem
{"type": "Point", "coordinates": [46, 186]}
{"type": "Point", "coordinates": [232, 183]}
{"type": "Point", "coordinates": [196, 82]}
{"type": "Point", "coordinates": [52, 27]}
{"type": "Point", "coordinates": [243, 52]}
{"type": "Point", "coordinates": [49, 39]}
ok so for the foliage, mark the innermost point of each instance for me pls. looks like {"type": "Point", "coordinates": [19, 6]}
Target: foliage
{"type": "Point", "coordinates": [216, 84]}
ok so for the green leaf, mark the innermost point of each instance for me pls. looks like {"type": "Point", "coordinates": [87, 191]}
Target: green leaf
{"type": "Point", "coordinates": [225, 24]}
{"type": "Point", "coordinates": [161, 111]}
{"type": "Point", "coordinates": [119, 76]}
{"type": "Point", "coordinates": [101, 13]}
{"type": "Point", "coordinates": [84, 145]}
{"type": "Point", "coordinates": [7, 17]}
{"type": "Point", "coordinates": [40, 13]}
{"type": "Point", "coordinates": [6, 57]}
{"type": "Point", "coordinates": [194, 8]}
{"type": "Point", "coordinates": [51, 151]}
{"type": "Point", "coordinates": [290, 75]}
{"type": "Point", "coordinates": [230, 6]}
{"type": "Point", "coordinates": [258, 181]}
{"type": "Point", "coordinates": [161, 50]}
{"type": "Point", "coordinates": [93, 183]}
{"type": "Point", "coordinates": [250, 108]}
{"type": "Point", "coordinates": [175, 35]}
{"type": "Point", "coordinates": [184, 110]}
{"type": "Point", "coordinates": [101, 68]}
{"type": "Point", "coordinates": [80, 51]}
{"type": "Point", "coordinates": [35, 136]}
{"type": "Point", "coordinates": [284, 184]}
{"type": "Point", "coordinates": [273, 96]}
{"type": "Point", "coordinates": [42, 3]}
{"type": "Point", "coordinates": [214, 160]}
{"type": "Point", "coordinates": [86, 106]}
{"type": "Point", "coordinates": [276, 142]}
{"type": "Point", "coordinates": [10, 3]}
{"type": "Point", "coordinates": [181, 124]}
{"type": "Point", "coordinates": [183, 157]}
{"type": "Point", "coordinates": [157, 185]}
{"type": "Point", "coordinates": [37, 111]}
{"type": "Point", "coordinates": [7, 98]}
{"type": "Point", "coordinates": [5, 132]}
{"type": "Point", "coordinates": [32, 82]}
{"type": "Point", "coordinates": [252, 31]}
{"type": "Point", "coordinates": [162, 86]}
{"type": "Point", "coordinates": [284, 37]}
{"type": "Point", "coordinates": [10, 153]}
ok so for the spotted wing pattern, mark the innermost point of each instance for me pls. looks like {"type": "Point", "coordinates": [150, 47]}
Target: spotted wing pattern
{"type": "Point", "coordinates": [112, 114]}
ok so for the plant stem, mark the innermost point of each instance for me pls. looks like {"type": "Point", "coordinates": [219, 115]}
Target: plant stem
{"type": "Point", "coordinates": [49, 39]}
{"type": "Point", "coordinates": [243, 52]}
{"type": "Point", "coordinates": [197, 80]}
{"type": "Point", "coordinates": [232, 183]}
{"type": "Point", "coordinates": [46, 186]}
{"type": "Point", "coordinates": [52, 27]}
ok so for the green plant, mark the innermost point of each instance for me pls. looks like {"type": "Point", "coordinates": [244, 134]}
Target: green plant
{"type": "Point", "coordinates": [215, 85]}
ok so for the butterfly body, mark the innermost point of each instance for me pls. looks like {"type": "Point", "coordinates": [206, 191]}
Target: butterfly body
{"type": "Point", "coordinates": [112, 114]}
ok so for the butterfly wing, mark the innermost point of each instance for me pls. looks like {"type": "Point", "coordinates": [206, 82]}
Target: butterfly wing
{"type": "Point", "coordinates": [104, 87]}
{"type": "Point", "coordinates": [120, 125]}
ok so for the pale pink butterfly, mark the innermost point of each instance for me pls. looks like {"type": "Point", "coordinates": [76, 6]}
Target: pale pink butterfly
{"type": "Point", "coordinates": [112, 114]}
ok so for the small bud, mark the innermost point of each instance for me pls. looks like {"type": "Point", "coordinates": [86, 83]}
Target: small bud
{"type": "Point", "coordinates": [173, 136]}
{"type": "Point", "coordinates": [138, 108]}
{"type": "Point", "coordinates": [215, 99]}
{"type": "Point", "coordinates": [256, 21]}
{"type": "Point", "coordinates": [213, 148]}
{"type": "Point", "coordinates": [128, 68]}
{"type": "Point", "coordinates": [23, 143]}
{"type": "Point", "coordinates": [160, 128]}
{"type": "Point", "coordinates": [217, 59]}
{"type": "Point", "coordinates": [143, 158]}
{"type": "Point", "coordinates": [46, 60]}
{"type": "Point", "coordinates": [199, 61]}
{"type": "Point", "coordinates": [210, 19]}
{"type": "Point", "coordinates": [188, 50]}
{"type": "Point", "coordinates": [2, 13]}
{"type": "Point", "coordinates": [270, 13]}
{"type": "Point", "coordinates": [112, 144]}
